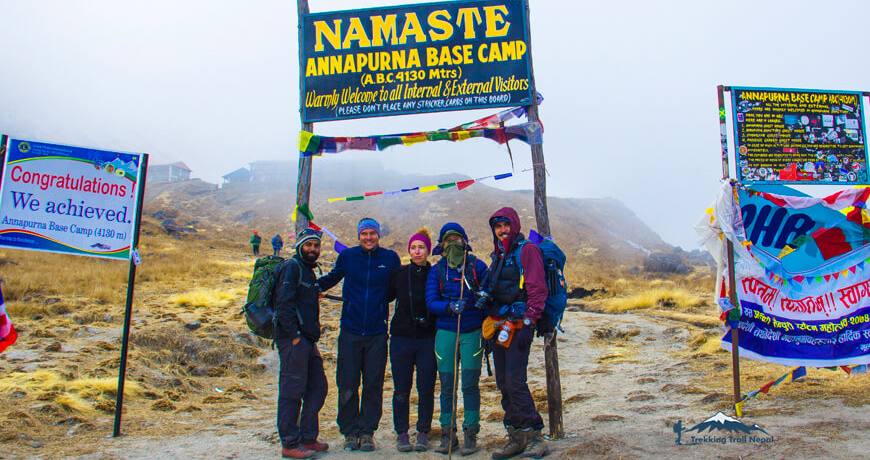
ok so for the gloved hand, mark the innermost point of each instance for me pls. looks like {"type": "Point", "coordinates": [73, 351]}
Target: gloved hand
{"type": "Point", "coordinates": [483, 300]}
{"type": "Point", "coordinates": [457, 306]}
{"type": "Point", "coordinates": [518, 309]}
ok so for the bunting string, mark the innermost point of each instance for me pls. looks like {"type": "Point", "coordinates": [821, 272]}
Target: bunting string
{"type": "Point", "coordinates": [459, 185]}
{"type": "Point", "coordinates": [792, 375]}
{"type": "Point", "coordinates": [490, 127]}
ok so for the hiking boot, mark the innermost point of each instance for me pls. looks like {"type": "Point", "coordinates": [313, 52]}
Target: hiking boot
{"type": "Point", "coordinates": [403, 443]}
{"type": "Point", "coordinates": [316, 446]}
{"type": "Point", "coordinates": [351, 442]}
{"type": "Point", "coordinates": [444, 448]}
{"type": "Point", "coordinates": [517, 442]}
{"type": "Point", "coordinates": [537, 447]}
{"type": "Point", "coordinates": [366, 443]}
{"type": "Point", "coordinates": [469, 444]}
{"type": "Point", "coordinates": [296, 452]}
{"type": "Point", "coordinates": [422, 444]}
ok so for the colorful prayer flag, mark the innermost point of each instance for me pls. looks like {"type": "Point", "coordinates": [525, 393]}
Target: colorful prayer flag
{"type": "Point", "coordinates": [8, 336]}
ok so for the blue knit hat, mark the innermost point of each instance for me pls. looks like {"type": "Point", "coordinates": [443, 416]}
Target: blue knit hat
{"type": "Point", "coordinates": [450, 227]}
{"type": "Point", "coordinates": [367, 223]}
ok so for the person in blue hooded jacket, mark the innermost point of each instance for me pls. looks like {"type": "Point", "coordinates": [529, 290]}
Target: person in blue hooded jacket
{"type": "Point", "coordinates": [451, 297]}
{"type": "Point", "coordinates": [362, 338]}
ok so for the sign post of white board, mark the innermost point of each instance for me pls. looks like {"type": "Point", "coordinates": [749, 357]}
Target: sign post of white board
{"type": "Point", "coordinates": [70, 200]}
{"type": "Point", "coordinates": [75, 200]}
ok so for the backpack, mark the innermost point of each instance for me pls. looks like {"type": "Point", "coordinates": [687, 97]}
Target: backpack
{"type": "Point", "coordinates": [258, 310]}
{"type": "Point", "coordinates": [557, 288]}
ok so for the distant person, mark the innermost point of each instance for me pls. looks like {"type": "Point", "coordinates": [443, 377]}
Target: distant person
{"type": "Point", "coordinates": [277, 244]}
{"type": "Point", "coordinates": [518, 290]}
{"type": "Point", "coordinates": [451, 295]}
{"type": "Point", "coordinates": [302, 385]}
{"type": "Point", "coordinates": [362, 339]}
{"type": "Point", "coordinates": [255, 243]}
{"type": "Point", "coordinates": [412, 344]}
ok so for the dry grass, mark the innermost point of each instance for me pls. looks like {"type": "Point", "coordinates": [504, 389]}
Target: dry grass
{"type": "Point", "coordinates": [73, 395]}
{"type": "Point", "coordinates": [216, 298]}
{"type": "Point", "coordinates": [666, 298]}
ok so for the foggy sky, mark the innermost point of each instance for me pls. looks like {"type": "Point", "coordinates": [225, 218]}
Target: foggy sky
{"type": "Point", "coordinates": [630, 103]}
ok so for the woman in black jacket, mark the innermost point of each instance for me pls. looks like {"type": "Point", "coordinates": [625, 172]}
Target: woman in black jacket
{"type": "Point", "coordinates": [412, 344]}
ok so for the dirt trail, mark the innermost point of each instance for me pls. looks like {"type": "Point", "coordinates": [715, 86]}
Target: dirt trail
{"type": "Point", "coordinates": [623, 385]}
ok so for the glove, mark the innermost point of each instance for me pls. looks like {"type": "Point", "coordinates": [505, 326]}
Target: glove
{"type": "Point", "coordinates": [482, 300]}
{"type": "Point", "coordinates": [457, 306]}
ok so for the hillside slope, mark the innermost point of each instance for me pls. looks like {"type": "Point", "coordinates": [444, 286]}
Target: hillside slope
{"type": "Point", "coordinates": [600, 235]}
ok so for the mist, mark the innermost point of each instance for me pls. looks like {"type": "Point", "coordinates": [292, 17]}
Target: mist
{"type": "Point", "coordinates": [629, 111]}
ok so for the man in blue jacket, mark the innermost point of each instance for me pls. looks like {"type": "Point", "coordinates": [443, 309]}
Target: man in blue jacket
{"type": "Point", "coordinates": [362, 340]}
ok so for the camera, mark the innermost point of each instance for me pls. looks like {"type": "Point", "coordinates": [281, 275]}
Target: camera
{"type": "Point", "coordinates": [483, 299]}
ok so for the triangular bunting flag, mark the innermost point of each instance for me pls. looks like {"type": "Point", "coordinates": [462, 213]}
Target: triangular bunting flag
{"type": "Point", "coordinates": [798, 373]}
{"type": "Point", "coordinates": [464, 184]}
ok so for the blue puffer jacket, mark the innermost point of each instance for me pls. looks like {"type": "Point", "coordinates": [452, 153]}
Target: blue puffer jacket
{"type": "Point", "coordinates": [440, 292]}
{"type": "Point", "coordinates": [366, 277]}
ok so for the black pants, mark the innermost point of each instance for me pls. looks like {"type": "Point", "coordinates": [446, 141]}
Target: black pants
{"type": "Point", "coordinates": [360, 357]}
{"type": "Point", "coordinates": [407, 353]}
{"type": "Point", "coordinates": [256, 249]}
{"type": "Point", "coordinates": [276, 251]}
{"type": "Point", "coordinates": [301, 386]}
{"type": "Point", "coordinates": [510, 377]}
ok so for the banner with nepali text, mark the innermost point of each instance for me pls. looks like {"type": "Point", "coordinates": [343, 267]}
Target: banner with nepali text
{"type": "Point", "coordinates": [802, 279]}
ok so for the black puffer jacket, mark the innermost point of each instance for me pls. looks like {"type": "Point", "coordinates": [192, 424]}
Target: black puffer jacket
{"type": "Point", "coordinates": [408, 288]}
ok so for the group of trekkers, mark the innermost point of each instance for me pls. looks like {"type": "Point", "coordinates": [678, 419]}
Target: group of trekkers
{"type": "Point", "coordinates": [445, 316]}
{"type": "Point", "coordinates": [256, 239]}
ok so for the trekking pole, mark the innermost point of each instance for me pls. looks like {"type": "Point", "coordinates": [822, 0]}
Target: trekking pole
{"type": "Point", "coordinates": [456, 360]}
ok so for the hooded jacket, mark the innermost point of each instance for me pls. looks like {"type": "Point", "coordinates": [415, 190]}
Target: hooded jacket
{"type": "Point", "coordinates": [365, 292]}
{"type": "Point", "coordinates": [277, 242]}
{"type": "Point", "coordinates": [443, 287]}
{"type": "Point", "coordinates": [532, 260]}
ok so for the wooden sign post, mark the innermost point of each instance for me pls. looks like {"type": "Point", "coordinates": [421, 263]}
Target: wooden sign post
{"type": "Point", "coordinates": [542, 219]}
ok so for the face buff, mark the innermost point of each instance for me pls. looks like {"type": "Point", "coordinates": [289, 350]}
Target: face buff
{"type": "Point", "coordinates": [455, 253]}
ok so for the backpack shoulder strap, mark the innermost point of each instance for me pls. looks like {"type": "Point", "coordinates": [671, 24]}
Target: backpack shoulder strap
{"type": "Point", "coordinates": [299, 269]}
{"type": "Point", "coordinates": [517, 254]}
{"type": "Point", "coordinates": [442, 273]}
{"type": "Point", "coordinates": [473, 260]}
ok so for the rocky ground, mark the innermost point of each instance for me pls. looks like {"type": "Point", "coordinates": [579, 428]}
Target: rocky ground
{"type": "Point", "coordinates": [202, 387]}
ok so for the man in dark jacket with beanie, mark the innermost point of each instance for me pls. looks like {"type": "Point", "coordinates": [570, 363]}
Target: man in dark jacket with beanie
{"type": "Point", "coordinates": [362, 340]}
{"type": "Point", "coordinates": [302, 382]}
{"type": "Point", "coordinates": [518, 290]}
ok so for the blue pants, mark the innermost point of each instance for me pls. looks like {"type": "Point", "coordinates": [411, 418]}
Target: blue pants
{"type": "Point", "coordinates": [302, 387]}
{"type": "Point", "coordinates": [407, 353]}
{"type": "Point", "coordinates": [363, 357]}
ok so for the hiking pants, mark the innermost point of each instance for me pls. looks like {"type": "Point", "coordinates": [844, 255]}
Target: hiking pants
{"type": "Point", "coordinates": [407, 353]}
{"type": "Point", "coordinates": [510, 377]}
{"type": "Point", "coordinates": [276, 251]}
{"type": "Point", "coordinates": [470, 357]}
{"type": "Point", "coordinates": [366, 357]}
{"type": "Point", "coordinates": [256, 249]}
{"type": "Point", "coordinates": [301, 387]}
